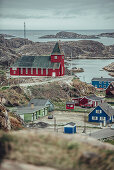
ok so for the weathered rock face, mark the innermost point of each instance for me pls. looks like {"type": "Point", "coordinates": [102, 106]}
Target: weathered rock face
{"type": "Point", "coordinates": [4, 119]}
{"type": "Point", "coordinates": [12, 49]}
{"type": "Point", "coordinates": [7, 49]}
{"type": "Point", "coordinates": [70, 35]}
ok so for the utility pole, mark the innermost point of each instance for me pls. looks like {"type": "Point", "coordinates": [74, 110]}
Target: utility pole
{"type": "Point", "coordinates": [24, 30]}
{"type": "Point", "coordinates": [54, 124]}
{"type": "Point", "coordinates": [71, 63]}
{"type": "Point", "coordinates": [84, 131]}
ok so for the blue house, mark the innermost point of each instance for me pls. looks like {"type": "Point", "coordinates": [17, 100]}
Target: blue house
{"type": "Point", "coordinates": [103, 113]}
{"type": "Point", "coordinates": [70, 128]}
{"type": "Point", "coordinates": [101, 83]}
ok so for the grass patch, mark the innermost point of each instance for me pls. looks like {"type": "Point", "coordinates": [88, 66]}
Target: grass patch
{"type": "Point", "coordinates": [111, 141]}
{"type": "Point", "coordinates": [4, 87]}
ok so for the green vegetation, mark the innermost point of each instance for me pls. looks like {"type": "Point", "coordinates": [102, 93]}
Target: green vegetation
{"type": "Point", "coordinates": [111, 141]}
{"type": "Point", "coordinates": [4, 87]}
{"type": "Point", "coordinates": [61, 106]}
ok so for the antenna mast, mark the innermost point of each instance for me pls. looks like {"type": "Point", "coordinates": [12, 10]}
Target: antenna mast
{"type": "Point", "coordinates": [24, 30]}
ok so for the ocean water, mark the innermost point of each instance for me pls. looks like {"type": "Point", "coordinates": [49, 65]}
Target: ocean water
{"type": "Point", "coordinates": [92, 68]}
{"type": "Point", "coordinates": [35, 34]}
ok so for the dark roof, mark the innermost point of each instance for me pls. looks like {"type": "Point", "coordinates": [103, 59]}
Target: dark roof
{"type": "Point", "coordinates": [94, 97]}
{"type": "Point", "coordinates": [36, 62]}
{"type": "Point", "coordinates": [107, 109]}
{"type": "Point", "coordinates": [56, 49]}
{"type": "Point", "coordinates": [38, 102]}
{"type": "Point", "coordinates": [24, 110]}
{"type": "Point", "coordinates": [69, 102]}
{"type": "Point", "coordinates": [102, 79]}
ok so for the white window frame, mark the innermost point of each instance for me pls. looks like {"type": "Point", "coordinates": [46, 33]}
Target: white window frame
{"type": "Point", "coordinates": [41, 71]}
{"type": "Point", "coordinates": [98, 111]}
{"type": "Point", "coordinates": [46, 71]}
{"type": "Point", "coordinates": [21, 70]}
{"type": "Point", "coordinates": [94, 118]}
{"type": "Point", "coordinates": [55, 57]}
{"type": "Point", "coordinates": [31, 70]}
{"type": "Point", "coordinates": [14, 72]}
{"type": "Point", "coordinates": [26, 70]}
{"type": "Point", "coordinates": [102, 118]}
{"type": "Point", "coordinates": [36, 70]}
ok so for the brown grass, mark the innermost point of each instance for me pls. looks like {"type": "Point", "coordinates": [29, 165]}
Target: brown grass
{"type": "Point", "coordinates": [56, 151]}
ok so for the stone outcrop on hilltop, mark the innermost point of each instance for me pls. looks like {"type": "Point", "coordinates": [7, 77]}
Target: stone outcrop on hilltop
{"type": "Point", "coordinates": [12, 49]}
{"type": "Point", "coordinates": [70, 35]}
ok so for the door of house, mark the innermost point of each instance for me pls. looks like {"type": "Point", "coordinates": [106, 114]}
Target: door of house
{"type": "Point", "coordinates": [53, 74]}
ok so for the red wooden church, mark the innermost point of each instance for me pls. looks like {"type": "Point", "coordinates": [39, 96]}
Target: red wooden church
{"type": "Point", "coordinates": [110, 90]}
{"type": "Point", "coordinates": [40, 65]}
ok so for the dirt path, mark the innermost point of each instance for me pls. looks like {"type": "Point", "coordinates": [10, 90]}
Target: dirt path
{"type": "Point", "coordinates": [65, 79]}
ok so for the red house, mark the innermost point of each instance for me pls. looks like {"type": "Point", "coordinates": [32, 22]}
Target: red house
{"type": "Point", "coordinates": [40, 65]}
{"type": "Point", "coordinates": [110, 90]}
{"type": "Point", "coordinates": [77, 101]}
{"type": "Point", "coordinates": [70, 105]}
{"type": "Point", "coordinates": [88, 101]}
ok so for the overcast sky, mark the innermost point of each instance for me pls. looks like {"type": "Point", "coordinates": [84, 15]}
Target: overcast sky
{"type": "Point", "coordinates": [57, 14]}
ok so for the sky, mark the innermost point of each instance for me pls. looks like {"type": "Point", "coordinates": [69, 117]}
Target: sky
{"type": "Point", "coordinates": [57, 14]}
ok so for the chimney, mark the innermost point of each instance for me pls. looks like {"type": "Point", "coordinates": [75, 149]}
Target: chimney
{"type": "Point", "coordinates": [32, 105]}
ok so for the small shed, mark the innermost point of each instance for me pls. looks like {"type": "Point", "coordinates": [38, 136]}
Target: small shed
{"type": "Point", "coordinates": [70, 105]}
{"type": "Point", "coordinates": [70, 128]}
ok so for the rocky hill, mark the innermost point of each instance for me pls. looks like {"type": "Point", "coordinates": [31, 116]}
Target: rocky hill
{"type": "Point", "coordinates": [11, 49]}
{"type": "Point", "coordinates": [107, 35]}
{"type": "Point", "coordinates": [49, 151]}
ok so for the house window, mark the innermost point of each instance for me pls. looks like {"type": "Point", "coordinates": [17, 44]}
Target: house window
{"type": "Point", "coordinates": [104, 86]}
{"type": "Point", "coordinates": [100, 82]}
{"type": "Point", "coordinates": [62, 57]}
{"type": "Point", "coordinates": [94, 118]}
{"type": "Point", "coordinates": [14, 72]}
{"type": "Point", "coordinates": [100, 86]}
{"type": "Point", "coordinates": [36, 70]}
{"type": "Point", "coordinates": [26, 70]}
{"type": "Point", "coordinates": [102, 118]}
{"type": "Point", "coordinates": [31, 70]}
{"type": "Point", "coordinates": [71, 105]}
{"type": "Point", "coordinates": [55, 57]}
{"type": "Point", "coordinates": [98, 111]}
{"type": "Point", "coordinates": [41, 71]}
{"type": "Point", "coordinates": [21, 70]}
{"type": "Point", "coordinates": [62, 70]}
{"type": "Point", "coordinates": [46, 71]}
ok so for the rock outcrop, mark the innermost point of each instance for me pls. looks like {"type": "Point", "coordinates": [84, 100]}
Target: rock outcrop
{"type": "Point", "coordinates": [4, 119]}
{"type": "Point", "coordinates": [12, 49]}
{"type": "Point", "coordinates": [70, 35]}
{"type": "Point", "coordinates": [110, 69]}
{"type": "Point", "coordinates": [111, 35]}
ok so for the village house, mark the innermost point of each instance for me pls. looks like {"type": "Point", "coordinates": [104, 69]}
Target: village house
{"type": "Point", "coordinates": [42, 102]}
{"type": "Point", "coordinates": [103, 114]}
{"type": "Point", "coordinates": [110, 90]}
{"type": "Point", "coordinates": [101, 83]}
{"type": "Point", "coordinates": [52, 65]}
{"type": "Point", "coordinates": [88, 101]}
{"type": "Point", "coordinates": [70, 105]}
{"type": "Point", "coordinates": [32, 113]}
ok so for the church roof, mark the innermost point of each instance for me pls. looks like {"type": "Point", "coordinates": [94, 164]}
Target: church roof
{"type": "Point", "coordinates": [36, 62]}
{"type": "Point", "coordinates": [56, 49]}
